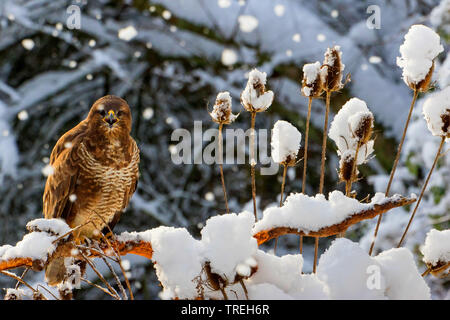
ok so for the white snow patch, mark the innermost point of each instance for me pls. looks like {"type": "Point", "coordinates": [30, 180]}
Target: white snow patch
{"type": "Point", "coordinates": [437, 247]}
{"type": "Point", "coordinates": [435, 108]}
{"type": "Point", "coordinates": [306, 213]}
{"type": "Point", "coordinates": [285, 141]}
{"type": "Point", "coordinates": [228, 243]}
{"type": "Point", "coordinates": [420, 48]}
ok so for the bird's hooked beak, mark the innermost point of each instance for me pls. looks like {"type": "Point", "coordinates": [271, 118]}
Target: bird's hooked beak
{"type": "Point", "coordinates": [110, 118]}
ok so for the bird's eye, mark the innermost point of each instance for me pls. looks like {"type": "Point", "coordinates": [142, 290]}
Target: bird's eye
{"type": "Point", "coordinates": [119, 113]}
{"type": "Point", "coordinates": [102, 112]}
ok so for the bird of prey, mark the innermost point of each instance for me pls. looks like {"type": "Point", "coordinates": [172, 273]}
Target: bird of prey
{"type": "Point", "coordinates": [94, 173]}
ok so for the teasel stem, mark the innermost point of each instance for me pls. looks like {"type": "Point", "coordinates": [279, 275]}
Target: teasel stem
{"type": "Point", "coordinates": [348, 185]}
{"type": "Point", "coordinates": [221, 167]}
{"type": "Point", "coordinates": [281, 200]}
{"type": "Point", "coordinates": [305, 154]}
{"type": "Point", "coordinates": [283, 184]}
{"type": "Point", "coordinates": [438, 153]}
{"type": "Point", "coordinates": [253, 163]}
{"type": "Point", "coordinates": [316, 246]}
{"type": "Point", "coordinates": [322, 166]}
{"type": "Point", "coordinates": [324, 142]}
{"type": "Point", "coordinates": [397, 157]}
{"type": "Point", "coordinates": [305, 159]}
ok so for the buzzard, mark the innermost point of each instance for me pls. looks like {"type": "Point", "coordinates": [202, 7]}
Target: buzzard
{"type": "Point", "coordinates": [95, 168]}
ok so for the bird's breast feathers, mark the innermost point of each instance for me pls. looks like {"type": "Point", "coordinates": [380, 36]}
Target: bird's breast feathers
{"type": "Point", "coordinates": [104, 187]}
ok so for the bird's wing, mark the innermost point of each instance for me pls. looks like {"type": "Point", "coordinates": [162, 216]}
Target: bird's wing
{"type": "Point", "coordinates": [61, 182]}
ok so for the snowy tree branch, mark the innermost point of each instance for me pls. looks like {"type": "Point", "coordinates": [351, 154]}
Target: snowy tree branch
{"type": "Point", "coordinates": [265, 235]}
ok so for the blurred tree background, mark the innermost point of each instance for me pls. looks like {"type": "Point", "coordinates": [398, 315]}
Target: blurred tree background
{"type": "Point", "coordinates": [169, 59]}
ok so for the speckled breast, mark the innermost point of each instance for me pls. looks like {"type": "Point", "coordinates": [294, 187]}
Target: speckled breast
{"type": "Point", "coordinates": [103, 187]}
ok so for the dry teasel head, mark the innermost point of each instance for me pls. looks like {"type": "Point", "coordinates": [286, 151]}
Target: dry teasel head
{"type": "Point", "coordinates": [417, 53]}
{"type": "Point", "coordinates": [311, 83]}
{"type": "Point", "coordinates": [14, 294]}
{"type": "Point", "coordinates": [436, 111]}
{"type": "Point", "coordinates": [285, 143]}
{"type": "Point", "coordinates": [423, 85]}
{"type": "Point", "coordinates": [346, 166]}
{"type": "Point", "coordinates": [361, 125]}
{"type": "Point", "coordinates": [38, 296]}
{"type": "Point", "coordinates": [446, 123]}
{"type": "Point", "coordinates": [332, 70]}
{"type": "Point", "coordinates": [221, 112]}
{"type": "Point", "coordinates": [255, 98]}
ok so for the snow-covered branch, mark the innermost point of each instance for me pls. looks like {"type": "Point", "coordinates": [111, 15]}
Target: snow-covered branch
{"type": "Point", "coordinates": [317, 217]}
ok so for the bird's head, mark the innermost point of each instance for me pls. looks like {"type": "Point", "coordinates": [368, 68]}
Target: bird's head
{"type": "Point", "coordinates": [110, 115]}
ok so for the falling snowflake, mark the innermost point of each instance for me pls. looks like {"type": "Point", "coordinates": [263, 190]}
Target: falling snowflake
{"type": "Point", "coordinates": [224, 3]}
{"type": "Point", "coordinates": [247, 23]}
{"type": "Point", "coordinates": [47, 170]}
{"type": "Point", "coordinates": [22, 115]}
{"type": "Point", "coordinates": [296, 37]}
{"type": "Point", "coordinates": [148, 113]}
{"type": "Point", "coordinates": [375, 59]}
{"type": "Point", "coordinates": [28, 44]}
{"type": "Point", "coordinates": [209, 196]}
{"type": "Point", "coordinates": [229, 57]}
{"type": "Point", "coordinates": [127, 33]}
{"type": "Point", "coordinates": [166, 14]}
{"type": "Point", "coordinates": [279, 10]}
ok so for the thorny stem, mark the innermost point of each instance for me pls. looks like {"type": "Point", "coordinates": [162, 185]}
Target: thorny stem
{"type": "Point", "coordinates": [305, 157]}
{"type": "Point", "coordinates": [15, 277]}
{"type": "Point", "coordinates": [119, 261]}
{"type": "Point", "coordinates": [324, 143]}
{"type": "Point", "coordinates": [221, 167]}
{"type": "Point", "coordinates": [348, 186]}
{"type": "Point", "coordinates": [224, 293]}
{"type": "Point", "coordinates": [426, 272]}
{"type": "Point", "coordinates": [99, 275]}
{"type": "Point", "coordinates": [322, 166]}
{"type": "Point", "coordinates": [244, 288]}
{"type": "Point", "coordinates": [111, 269]}
{"type": "Point", "coordinates": [21, 277]}
{"type": "Point", "coordinates": [423, 191]}
{"type": "Point", "coordinates": [305, 154]}
{"type": "Point", "coordinates": [316, 246]}
{"type": "Point", "coordinates": [394, 167]}
{"type": "Point", "coordinates": [281, 201]}
{"type": "Point", "coordinates": [253, 163]}
{"type": "Point", "coordinates": [99, 287]}
{"type": "Point", "coordinates": [117, 254]}
{"type": "Point", "coordinates": [73, 230]}
{"type": "Point", "coordinates": [282, 184]}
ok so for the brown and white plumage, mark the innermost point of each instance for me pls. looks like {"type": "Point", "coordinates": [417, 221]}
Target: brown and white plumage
{"type": "Point", "coordinates": [95, 170]}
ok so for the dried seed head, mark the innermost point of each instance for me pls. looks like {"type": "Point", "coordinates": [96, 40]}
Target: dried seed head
{"type": "Point", "coordinates": [14, 294]}
{"type": "Point", "coordinates": [423, 85]}
{"type": "Point", "coordinates": [361, 125]}
{"type": "Point", "coordinates": [38, 296]}
{"type": "Point", "coordinates": [255, 98]}
{"type": "Point", "coordinates": [346, 166]}
{"type": "Point", "coordinates": [65, 290]}
{"type": "Point", "coordinates": [311, 83]}
{"type": "Point", "coordinates": [290, 161]}
{"type": "Point", "coordinates": [446, 123]}
{"type": "Point", "coordinates": [436, 111]}
{"type": "Point", "coordinates": [222, 109]}
{"type": "Point", "coordinates": [332, 70]}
